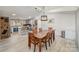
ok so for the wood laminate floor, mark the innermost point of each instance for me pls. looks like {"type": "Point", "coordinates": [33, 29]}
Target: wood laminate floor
{"type": "Point", "coordinates": [19, 43]}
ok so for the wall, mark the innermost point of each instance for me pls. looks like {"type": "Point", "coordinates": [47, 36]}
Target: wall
{"type": "Point", "coordinates": [77, 28]}
{"type": "Point", "coordinates": [62, 21]}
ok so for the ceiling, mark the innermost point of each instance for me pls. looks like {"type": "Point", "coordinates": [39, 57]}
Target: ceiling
{"type": "Point", "coordinates": [32, 11]}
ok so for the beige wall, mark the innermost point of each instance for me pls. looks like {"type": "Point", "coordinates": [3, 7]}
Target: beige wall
{"type": "Point", "coordinates": [77, 28]}
{"type": "Point", "coordinates": [61, 21]}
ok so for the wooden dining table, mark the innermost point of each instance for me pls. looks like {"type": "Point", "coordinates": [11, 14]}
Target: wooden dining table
{"type": "Point", "coordinates": [40, 36]}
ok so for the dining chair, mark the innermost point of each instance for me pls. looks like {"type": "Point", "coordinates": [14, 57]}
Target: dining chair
{"type": "Point", "coordinates": [34, 30]}
{"type": "Point", "coordinates": [51, 34]}
{"type": "Point", "coordinates": [33, 40]}
{"type": "Point", "coordinates": [40, 29]}
{"type": "Point", "coordinates": [46, 40]}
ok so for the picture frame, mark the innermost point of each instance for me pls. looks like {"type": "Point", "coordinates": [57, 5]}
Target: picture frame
{"type": "Point", "coordinates": [44, 18]}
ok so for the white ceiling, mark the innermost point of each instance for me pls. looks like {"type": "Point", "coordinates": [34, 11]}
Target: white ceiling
{"type": "Point", "coordinates": [32, 11]}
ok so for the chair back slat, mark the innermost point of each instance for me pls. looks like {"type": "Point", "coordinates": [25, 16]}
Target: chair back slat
{"type": "Point", "coordinates": [33, 38]}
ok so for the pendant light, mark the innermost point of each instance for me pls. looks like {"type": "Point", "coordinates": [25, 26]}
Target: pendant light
{"type": "Point", "coordinates": [43, 16]}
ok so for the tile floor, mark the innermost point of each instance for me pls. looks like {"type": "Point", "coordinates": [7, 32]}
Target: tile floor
{"type": "Point", "coordinates": [19, 43]}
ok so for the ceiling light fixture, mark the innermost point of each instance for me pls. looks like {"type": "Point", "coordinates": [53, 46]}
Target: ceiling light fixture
{"type": "Point", "coordinates": [43, 16]}
{"type": "Point", "coordinates": [38, 9]}
{"type": "Point", "coordinates": [13, 14]}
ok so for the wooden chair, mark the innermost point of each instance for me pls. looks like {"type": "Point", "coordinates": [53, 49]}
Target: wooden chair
{"type": "Point", "coordinates": [46, 40]}
{"type": "Point", "coordinates": [40, 29]}
{"type": "Point", "coordinates": [51, 36]}
{"type": "Point", "coordinates": [33, 40]}
{"type": "Point", "coordinates": [34, 30]}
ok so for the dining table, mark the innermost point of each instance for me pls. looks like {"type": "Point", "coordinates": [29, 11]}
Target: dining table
{"type": "Point", "coordinates": [40, 36]}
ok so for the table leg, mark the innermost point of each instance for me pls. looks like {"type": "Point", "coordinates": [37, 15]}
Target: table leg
{"type": "Point", "coordinates": [39, 45]}
{"type": "Point", "coordinates": [53, 35]}
{"type": "Point", "coordinates": [29, 43]}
